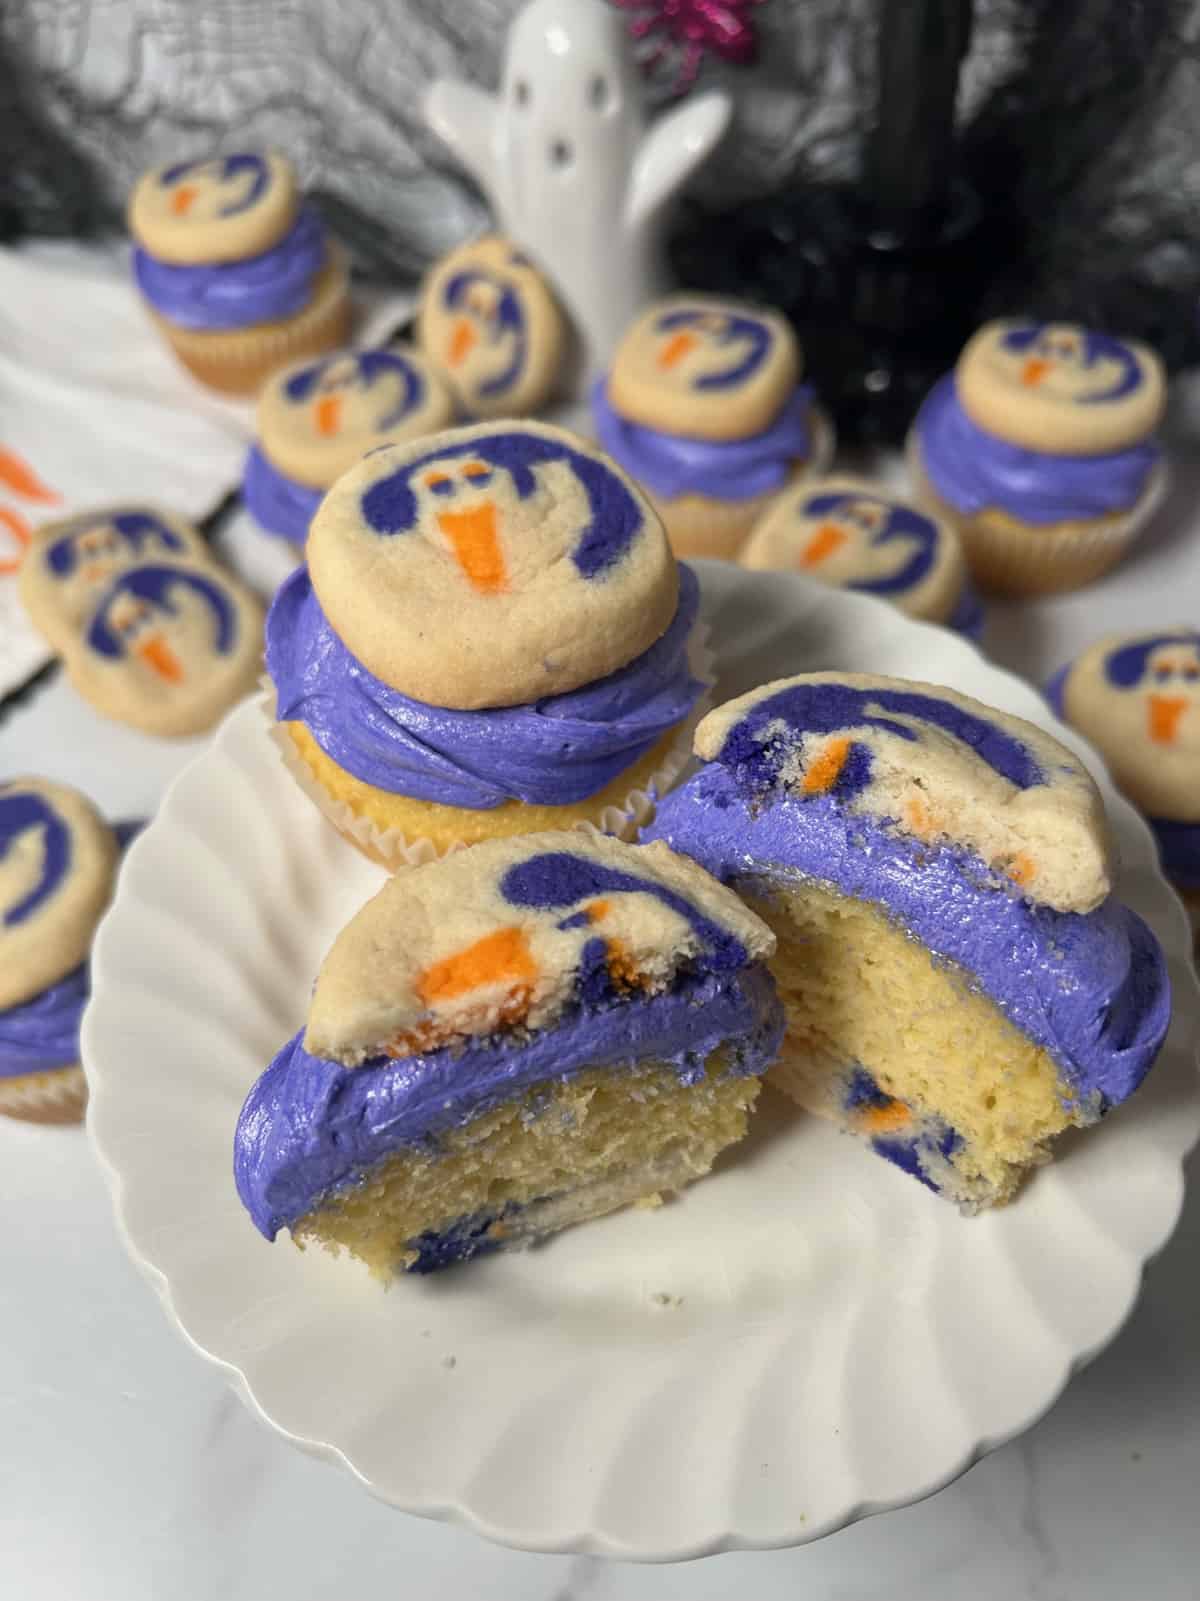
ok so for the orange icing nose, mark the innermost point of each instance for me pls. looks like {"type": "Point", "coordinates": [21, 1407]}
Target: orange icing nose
{"type": "Point", "coordinates": [1165, 712]}
{"type": "Point", "coordinates": [329, 414]}
{"type": "Point", "coordinates": [828, 538]}
{"type": "Point", "coordinates": [500, 958]}
{"type": "Point", "coordinates": [183, 199]}
{"type": "Point", "coordinates": [826, 770]}
{"type": "Point", "coordinates": [675, 349]}
{"type": "Point", "coordinates": [20, 477]}
{"type": "Point", "coordinates": [1034, 370]}
{"type": "Point", "coordinates": [161, 659]}
{"type": "Point", "coordinates": [475, 541]}
{"type": "Point", "coordinates": [462, 342]}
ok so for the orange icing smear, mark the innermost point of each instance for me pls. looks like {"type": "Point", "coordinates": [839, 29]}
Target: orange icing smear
{"type": "Point", "coordinates": [889, 1118]}
{"type": "Point", "coordinates": [475, 540]}
{"type": "Point", "coordinates": [825, 771]}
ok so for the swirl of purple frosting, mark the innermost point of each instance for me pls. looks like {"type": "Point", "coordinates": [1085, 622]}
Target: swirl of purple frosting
{"type": "Point", "coordinates": [311, 1126]}
{"type": "Point", "coordinates": [278, 504]}
{"type": "Point", "coordinates": [733, 469]}
{"type": "Point", "coordinates": [549, 752]}
{"type": "Point", "coordinates": [973, 470]}
{"type": "Point", "coordinates": [236, 294]}
{"type": "Point", "coordinates": [1091, 990]}
{"type": "Point", "coordinates": [43, 1034]}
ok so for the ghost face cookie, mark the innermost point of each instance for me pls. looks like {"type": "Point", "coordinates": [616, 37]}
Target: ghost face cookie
{"type": "Point", "coordinates": [168, 648]}
{"type": "Point", "coordinates": [221, 209]}
{"type": "Point", "coordinates": [489, 321]}
{"type": "Point", "coordinates": [1137, 698]}
{"type": "Point", "coordinates": [317, 418]}
{"type": "Point", "coordinates": [1060, 389]}
{"type": "Point", "coordinates": [57, 860]}
{"type": "Point", "coordinates": [856, 536]}
{"type": "Point", "coordinates": [69, 565]}
{"type": "Point", "coordinates": [492, 565]}
{"type": "Point", "coordinates": [704, 368]}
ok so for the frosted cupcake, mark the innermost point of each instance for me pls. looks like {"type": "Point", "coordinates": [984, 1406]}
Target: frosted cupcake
{"type": "Point", "coordinates": [960, 984]}
{"type": "Point", "coordinates": [1039, 448]}
{"type": "Point", "coordinates": [491, 637]}
{"type": "Point", "coordinates": [1137, 698]}
{"type": "Point", "coordinates": [704, 409]}
{"type": "Point", "coordinates": [58, 859]}
{"type": "Point", "coordinates": [856, 535]}
{"type": "Point", "coordinates": [317, 418]}
{"type": "Point", "coordinates": [236, 268]}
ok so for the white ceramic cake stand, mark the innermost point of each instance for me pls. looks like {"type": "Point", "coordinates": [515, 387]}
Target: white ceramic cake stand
{"type": "Point", "coordinates": [803, 1338]}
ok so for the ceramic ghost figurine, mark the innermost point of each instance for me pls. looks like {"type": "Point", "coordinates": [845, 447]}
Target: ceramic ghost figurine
{"type": "Point", "coordinates": [571, 169]}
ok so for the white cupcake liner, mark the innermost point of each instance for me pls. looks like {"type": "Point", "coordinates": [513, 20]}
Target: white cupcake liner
{"type": "Point", "coordinates": [394, 849]}
{"type": "Point", "coordinates": [58, 1095]}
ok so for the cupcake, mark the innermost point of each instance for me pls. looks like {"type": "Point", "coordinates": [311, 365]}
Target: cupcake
{"type": "Point", "coordinates": [58, 859]}
{"type": "Point", "coordinates": [1039, 449]}
{"type": "Point", "coordinates": [703, 408]}
{"type": "Point", "coordinates": [236, 267]}
{"type": "Point", "coordinates": [489, 321]}
{"type": "Point", "coordinates": [960, 985]}
{"type": "Point", "coordinates": [317, 418]}
{"type": "Point", "coordinates": [506, 1042]}
{"type": "Point", "coordinates": [856, 535]}
{"type": "Point", "coordinates": [491, 637]}
{"type": "Point", "coordinates": [1137, 698]}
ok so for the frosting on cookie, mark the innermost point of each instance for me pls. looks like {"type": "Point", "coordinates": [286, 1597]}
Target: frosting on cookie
{"type": "Point", "coordinates": [316, 419]}
{"type": "Point", "coordinates": [704, 368]}
{"type": "Point", "coordinates": [1060, 388]}
{"type": "Point", "coordinates": [1092, 990]}
{"type": "Point", "coordinates": [278, 504]}
{"type": "Point", "coordinates": [490, 322]}
{"type": "Point", "coordinates": [973, 470]}
{"type": "Point", "coordinates": [930, 764]}
{"type": "Point", "coordinates": [57, 859]}
{"type": "Point", "coordinates": [736, 469]}
{"type": "Point", "coordinates": [219, 209]}
{"type": "Point", "coordinates": [552, 751]}
{"type": "Point", "coordinates": [275, 283]}
{"type": "Point", "coordinates": [491, 566]}
{"type": "Point", "coordinates": [855, 535]}
{"type": "Point", "coordinates": [68, 565]}
{"type": "Point", "coordinates": [1137, 697]}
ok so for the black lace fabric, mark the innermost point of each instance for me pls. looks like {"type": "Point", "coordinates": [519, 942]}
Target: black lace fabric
{"type": "Point", "coordinates": [1079, 126]}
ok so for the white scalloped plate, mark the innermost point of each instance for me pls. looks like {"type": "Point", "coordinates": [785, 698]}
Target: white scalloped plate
{"type": "Point", "coordinates": [803, 1338]}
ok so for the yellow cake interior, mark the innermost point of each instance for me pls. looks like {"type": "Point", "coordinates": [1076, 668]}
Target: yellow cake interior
{"type": "Point", "coordinates": [859, 992]}
{"type": "Point", "coordinates": [564, 1152]}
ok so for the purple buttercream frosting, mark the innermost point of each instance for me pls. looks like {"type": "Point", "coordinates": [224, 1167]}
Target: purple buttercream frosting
{"type": "Point", "coordinates": [973, 470]}
{"type": "Point", "coordinates": [237, 294]}
{"type": "Point", "coordinates": [310, 1126]}
{"type": "Point", "coordinates": [43, 1034]}
{"type": "Point", "coordinates": [1091, 990]}
{"type": "Point", "coordinates": [734, 469]}
{"type": "Point", "coordinates": [278, 504]}
{"type": "Point", "coordinates": [549, 752]}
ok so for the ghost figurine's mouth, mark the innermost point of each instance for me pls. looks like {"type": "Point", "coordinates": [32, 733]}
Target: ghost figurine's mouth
{"type": "Point", "coordinates": [474, 538]}
{"type": "Point", "coordinates": [328, 416]}
{"type": "Point", "coordinates": [462, 342]}
{"type": "Point", "coordinates": [827, 539]}
{"type": "Point", "coordinates": [1164, 713]}
{"type": "Point", "coordinates": [160, 658]}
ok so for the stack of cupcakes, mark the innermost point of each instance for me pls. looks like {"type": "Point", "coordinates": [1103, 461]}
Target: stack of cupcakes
{"type": "Point", "coordinates": [236, 267]}
{"type": "Point", "coordinates": [317, 418]}
{"type": "Point", "coordinates": [704, 408]}
{"type": "Point", "coordinates": [1039, 449]}
{"type": "Point", "coordinates": [491, 637]}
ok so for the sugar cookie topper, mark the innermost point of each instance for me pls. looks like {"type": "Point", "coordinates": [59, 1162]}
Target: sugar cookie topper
{"type": "Point", "coordinates": [491, 565]}
{"type": "Point", "coordinates": [1060, 389]}
{"type": "Point", "coordinates": [705, 368]}
{"type": "Point", "coordinates": [214, 209]}
{"type": "Point", "coordinates": [57, 859]}
{"type": "Point", "coordinates": [491, 324]}
{"type": "Point", "coordinates": [317, 418]}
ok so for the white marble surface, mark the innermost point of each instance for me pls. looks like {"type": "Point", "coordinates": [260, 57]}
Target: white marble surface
{"type": "Point", "coordinates": [129, 1470]}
